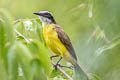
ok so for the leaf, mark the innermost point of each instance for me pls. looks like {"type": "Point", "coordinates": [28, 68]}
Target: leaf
{"type": "Point", "coordinates": [38, 70]}
{"type": "Point", "coordinates": [41, 52]}
{"type": "Point", "coordinates": [6, 16]}
{"type": "Point", "coordinates": [24, 57]}
{"type": "Point", "coordinates": [39, 30]}
{"type": "Point", "coordinates": [6, 34]}
{"type": "Point", "coordinates": [20, 37]}
{"type": "Point", "coordinates": [12, 63]}
{"type": "Point", "coordinates": [2, 38]}
{"type": "Point", "coordinates": [54, 73]}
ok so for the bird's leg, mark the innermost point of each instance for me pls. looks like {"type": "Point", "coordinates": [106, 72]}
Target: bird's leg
{"type": "Point", "coordinates": [57, 63]}
{"type": "Point", "coordinates": [53, 57]}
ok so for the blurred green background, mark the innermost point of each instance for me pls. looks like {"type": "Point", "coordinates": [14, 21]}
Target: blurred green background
{"type": "Point", "coordinates": [93, 26]}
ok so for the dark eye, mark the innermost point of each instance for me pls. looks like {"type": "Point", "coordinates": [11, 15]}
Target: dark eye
{"type": "Point", "coordinates": [47, 15]}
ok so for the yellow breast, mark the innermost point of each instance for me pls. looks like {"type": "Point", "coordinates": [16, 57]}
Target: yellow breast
{"type": "Point", "coordinates": [52, 40]}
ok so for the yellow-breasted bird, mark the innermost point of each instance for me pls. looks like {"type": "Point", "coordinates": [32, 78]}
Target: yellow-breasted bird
{"type": "Point", "coordinates": [58, 42]}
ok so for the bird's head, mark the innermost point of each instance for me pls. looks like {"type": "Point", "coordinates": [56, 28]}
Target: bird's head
{"type": "Point", "coordinates": [46, 17]}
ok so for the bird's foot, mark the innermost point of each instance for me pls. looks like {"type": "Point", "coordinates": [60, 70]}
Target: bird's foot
{"type": "Point", "coordinates": [56, 65]}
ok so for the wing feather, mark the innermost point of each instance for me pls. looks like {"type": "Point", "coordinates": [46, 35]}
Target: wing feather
{"type": "Point", "coordinates": [66, 41]}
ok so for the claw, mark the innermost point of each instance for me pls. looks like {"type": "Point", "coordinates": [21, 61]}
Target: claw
{"type": "Point", "coordinates": [56, 66]}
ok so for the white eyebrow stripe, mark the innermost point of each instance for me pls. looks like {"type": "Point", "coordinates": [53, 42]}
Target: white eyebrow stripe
{"type": "Point", "coordinates": [46, 12]}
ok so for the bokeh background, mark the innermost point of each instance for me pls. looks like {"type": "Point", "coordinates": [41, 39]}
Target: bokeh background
{"type": "Point", "coordinates": [93, 26]}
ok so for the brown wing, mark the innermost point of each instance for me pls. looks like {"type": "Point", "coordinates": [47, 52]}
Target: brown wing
{"type": "Point", "coordinates": [66, 41]}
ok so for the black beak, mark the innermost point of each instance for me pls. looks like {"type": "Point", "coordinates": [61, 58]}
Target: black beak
{"type": "Point", "coordinates": [37, 13]}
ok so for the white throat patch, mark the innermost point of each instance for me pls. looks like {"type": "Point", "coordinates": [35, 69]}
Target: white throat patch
{"type": "Point", "coordinates": [45, 20]}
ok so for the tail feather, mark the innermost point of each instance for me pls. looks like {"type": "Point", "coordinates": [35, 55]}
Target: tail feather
{"type": "Point", "coordinates": [79, 73]}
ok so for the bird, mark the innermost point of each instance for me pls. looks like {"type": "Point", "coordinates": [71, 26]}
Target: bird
{"type": "Point", "coordinates": [59, 42]}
